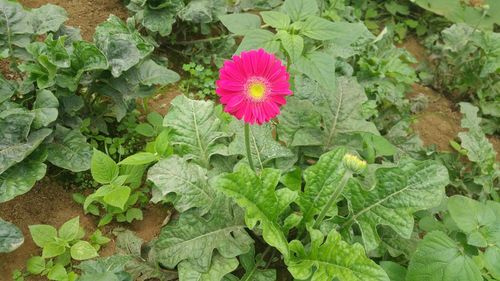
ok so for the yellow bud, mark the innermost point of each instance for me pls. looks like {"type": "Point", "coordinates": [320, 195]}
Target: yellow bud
{"type": "Point", "coordinates": [353, 163]}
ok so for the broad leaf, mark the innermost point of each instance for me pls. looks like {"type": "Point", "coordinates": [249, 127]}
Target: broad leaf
{"type": "Point", "coordinates": [321, 29]}
{"type": "Point", "coordinates": [255, 268]}
{"type": "Point", "coordinates": [399, 192]}
{"type": "Point", "coordinates": [292, 43]}
{"type": "Point", "coordinates": [45, 108]}
{"type": "Point", "coordinates": [161, 19]}
{"type": "Point", "coordinates": [188, 181]}
{"type": "Point", "coordinates": [240, 23]}
{"type": "Point", "coordinates": [104, 269]}
{"type": "Point", "coordinates": [322, 180]}
{"type": "Point", "coordinates": [300, 123]}
{"type": "Point", "coordinates": [150, 73]}
{"type": "Point", "coordinates": [300, 9]}
{"type": "Point", "coordinates": [438, 258]}
{"type": "Point", "coordinates": [259, 38]}
{"type": "Point", "coordinates": [194, 239]}
{"type": "Point", "coordinates": [70, 150]}
{"type": "Point", "coordinates": [330, 259]}
{"type": "Point", "coordinates": [48, 18]}
{"type": "Point", "coordinates": [104, 169]}
{"type": "Point", "coordinates": [82, 250]}
{"type": "Point", "coordinates": [196, 129]}
{"type": "Point", "coordinates": [20, 178]}
{"type": "Point", "coordinates": [11, 237]}
{"type": "Point", "coordinates": [319, 66]}
{"type": "Point", "coordinates": [276, 19]}
{"type": "Point", "coordinates": [70, 229]}
{"type": "Point", "coordinates": [220, 266]}
{"type": "Point", "coordinates": [15, 28]}
{"type": "Point", "coordinates": [263, 147]}
{"type": "Point", "coordinates": [262, 203]}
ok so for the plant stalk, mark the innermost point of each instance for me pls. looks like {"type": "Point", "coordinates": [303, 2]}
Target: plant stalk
{"type": "Point", "coordinates": [247, 145]}
{"type": "Point", "coordinates": [333, 199]}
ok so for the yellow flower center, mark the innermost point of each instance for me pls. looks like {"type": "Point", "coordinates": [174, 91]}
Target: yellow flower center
{"type": "Point", "coordinates": [257, 90]}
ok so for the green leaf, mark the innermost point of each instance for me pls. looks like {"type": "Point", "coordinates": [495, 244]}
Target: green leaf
{"type": "Point", "coordinates": [11, 237]}
{"type": "Point", "coordinates": [220, 266]}
{"type": "Point", "coordinates": [86, 56]}
{"type": "Point", "coordinates": [193, 238]}
{"type": "Point", "coordinates": [45, 108]}
{"type": "Point", "coordinates": [480, 221]}
{"type": "Point", "coordinates": [134, 214]}
{"type": "Point", "coordinates": [105, 269]}
{"type": "Point", "coordinates": [15, 28]}
{"type": "Point", "coordinates": [492, 260]}
{"type": "Point", "coordinates": [150, 73]}
{"type": "Point", "coordinates": [53, 249]}
{"type": "Point", "coordinates": [332, 259]}
{"type": "Point", "coordinates": [139, 158]}
{"type": "Point", "coordinates": [479, 149]}
{"type": "Point", "coordinates": [262, 203]}
{"type": "Point", "coordinates": [35, 265]}
{"type": "Point", "coordinates": [400, 191]}
{"type": "Point", "coordinates": [395, 271]}
{"type": "Point", "coordinates": [240, 24]}
{"type": "Point", "coordinates": [438, 258]}
{"type": "Point", "coordinates": [255, 268]}
{"type": "Point", "coordinates": [69, 230]}
{"type": "Point", "coordinates": [104, 169]}
{"type": "Point", "coordinates": [321, 29]}
{"type": "Point", "coordinates": [292, 43]}
{"type": "Point", "coordinates": [20, 178]}
{"type": "Point", "coordinates": [70, 150]}
{"type": "Point", "coordinates": [196, 129]}
{"type": "Point", "coordinates": [82, 250]}
{"type": "Point", "coordinates": [275, 19]}
{"type": "Point", "coordinates": [145, 129]}
{"type": "Point", "coordinates": [161, 19]}
{"type": "Point", "coordinates": [322, 180]}
{"type": "Point", "coordinates": [263, 147]}
{"type": "Point", "coordinates": [259, 38]}
{"type": "Point", "coordinates": [188, 181]}
{"type": "Point", "coordinates": [48, 18]}
{"type": "Point", "coordinates": [300, 123]}
{"type": "Point", "coordinates": [42, 234]}
{"type": "Point", "coordinates": [117, 196]}
{"type": "Point", "coordinates": [57, 273]}
{"type": "Point", "coordinates": [319, 66]}
{"type": "Point", "coordinates": [300, 9]}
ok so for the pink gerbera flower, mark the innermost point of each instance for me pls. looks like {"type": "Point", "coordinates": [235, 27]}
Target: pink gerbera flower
{"type": "Point", "coordinates": [253, 86]}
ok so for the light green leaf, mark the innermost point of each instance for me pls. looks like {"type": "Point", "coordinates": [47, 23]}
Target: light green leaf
{"type": "Point", "coordinates": [196, 129]}
{"type": "Point", "coordinates": [395, 271]}
{"type": "Point", "coordinates": [35, 265]}
{"type": "Point", "coordinates": [300, 123]}
{"type": "Point", "coordinates": [11, 237]}
{"type": "Point", "coordinates": [105, 269]}
{"type": "Point", "coordinates": [319, 66]}
{"type": "Point", "coordinates": [69, 230]}
{"type": "Point", "coordinates": [103, 168]}
{"type": "Point", "coordinates": [42, 234]}
{"type": "Point", "coordinates": [150, 73]}
{"type": "Point", "coordinates": [188, 181]}
{"type": "Point", "coordinates": [161, 19]}
{"type": "Point", "coordinates": [255, 268]}
{"type": "Point", "coordinates": [258, 196]}
{"type": "Point", "coordinates": [117, 196]}
{"type": "Point", "coordinates": [263, 147]}
{"type": "Point", "coordinates": [53, 249]}
{"type": "Point", "coordinates": [70, 150]}
{"type": "Point", "coordinates": [275, 19]}
{"type": "Point", "coordinates": [45, 109]}
{"type": "Point", "coordinates": [400, 191]}
{"type": "Point", "coordinates": [57, 273]}
{"type": "Point", "coordinates": [321, 29]}
{"type": "Point", "coordinates": [438, 258]}
{"type": "Point", "coordinates": [20, 178]}
{"type": "Point", "coordinates": [203, 11]}
{"type": "Point", "coordinates": [240, 24]}
{"type": "Point", "coordinates": [193, 238]}
{"type": "Point", "coordinates": [15, 28]}
{"type": "Point", "coordinates": [300, 9]}
{"type": "Point", "coordinates": [292, 43]}
{"type": "Point", "coordinates": [492, 260]}
{"type": "Point", "coordinates": [140, 158]}
{"type": "Point", "coordinates": [322, 180]}
{"type": "Point", "coordinates": [257, 39]}
{"type": "Point", "coordinates": [332, 259]}
{"type": "Point", "coordinates": [220, 266]}
{"type": "Point", "coordinates": [86, 56]}
{"type": "Point", "coordinates": [48, 18]}
{"type": "Point", "coordinates": [82, 250]}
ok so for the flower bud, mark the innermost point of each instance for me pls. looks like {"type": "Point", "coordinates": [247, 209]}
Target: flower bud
{"type": "Point", "coordinates": [353, 163]}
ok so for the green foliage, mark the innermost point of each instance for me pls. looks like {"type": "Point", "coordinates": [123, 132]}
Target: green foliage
{"type": "Point", "coordinates": [200, 81]}
{"type": "Point", "coordinates": [10, 237]}
{"type": "Point", "coordinates": [60, 247]}
{"type": "Point", "coordinates": [468, 67]}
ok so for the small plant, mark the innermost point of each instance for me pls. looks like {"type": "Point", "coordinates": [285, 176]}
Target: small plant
{"type": "Point", "coordinates": [200, 82]}
{"type": "Point", "coordinates": [122, 195]}
{"type": "Point", "coordinates": [59, 248]}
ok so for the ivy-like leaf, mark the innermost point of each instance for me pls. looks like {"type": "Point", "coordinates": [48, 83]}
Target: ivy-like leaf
{"type": "Point", "coordinates": [400, 191]}
{"type": "Point", "coordinates": [188, 181]}
{"type": "Point", "coordinates": [262, 203]}
{"type": "Point", "coordinates": [331, 259]}
{"type": "Point", "coordinates": [196, 129]}
{"type": "Point", "coordinates": [11, 237]}
{"type": "Point", "coordinates": [438, 258]}
{"type": "Point", "coordinates": [322, 180]}
{"type": "Point", "coordinates": [263, 147]}
{"type": "Point", "coordinates": [193, 238]}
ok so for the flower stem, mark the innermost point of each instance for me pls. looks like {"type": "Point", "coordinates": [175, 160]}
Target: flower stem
{"type": "Point", "coordinates": [247, 145]}
{"type": "Point", "coordinates": [333, 199]}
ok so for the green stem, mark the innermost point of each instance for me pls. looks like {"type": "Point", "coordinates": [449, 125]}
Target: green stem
{"type": "Point", "coordinates": [333, 199]}
{"type": "Point", "coordinates": [247, 145]}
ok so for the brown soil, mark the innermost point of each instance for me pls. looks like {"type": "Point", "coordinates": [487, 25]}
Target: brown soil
{"type": "Point", "coordinates": [439, 122]}
{"type": "Point", "coordinates": [85, 14]}
{"type": "Point", "coordinates": [413, 46]}
{"type": "Point", "coordinates": [49, 203]}
{"type": "Point", "coordinates": [160, 102]}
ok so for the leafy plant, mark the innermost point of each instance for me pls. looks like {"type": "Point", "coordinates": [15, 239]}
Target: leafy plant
{"type": "Point", "coordinates": [467, 66]}
{"type": "Point", "coordinates": [200, 82]}
{"type": "Point", "coordinates": [60, 247]}
{"type": "Point", "coordinates": [10, 237]}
